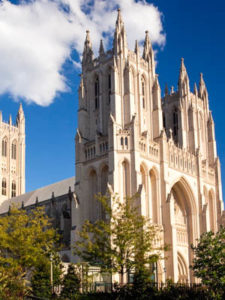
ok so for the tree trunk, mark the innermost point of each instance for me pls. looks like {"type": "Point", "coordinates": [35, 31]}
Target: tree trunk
{"type": "Point", "coordinates": [121, 277]}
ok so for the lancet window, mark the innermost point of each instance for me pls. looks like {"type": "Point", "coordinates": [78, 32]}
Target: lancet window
{"type": "Point", "coordinates": [96, 92]}
{"type": "Point", "coordinates": [4, 186]}
{"type": "Point", "coordinates": [143, 92]}
{"type": "Point", "coordinates": [13, 189]}
{"type": "Point", "coordinates": [4, 147]}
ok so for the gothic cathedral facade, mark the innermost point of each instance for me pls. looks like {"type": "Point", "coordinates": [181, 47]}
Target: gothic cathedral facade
{"type": "Point", "coordinates": [12, 154]}
{"type": "Point", "coordinates": [132, 140]}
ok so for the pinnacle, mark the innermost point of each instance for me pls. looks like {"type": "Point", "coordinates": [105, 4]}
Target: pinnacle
{"type": "Point", "coordinates": [136, 49]}
{"type": "Point", "coordinates": [20, 109]}
{"type": "Point", "coordinates": [182, 66]}
{"type": "Point", "coordinates": [87, 40]}
{"type": "Point", "coordinates": [195, 89]}
{"type": "Point", "coordinates": [147, 45]}
{"type": "Point", "coordinates": [119, 17]}
{"type": "Point", "coordinates": [156, 83]}
{"type": "Point", "coordinates": [201, 79]}
{"type": "Point", "coordinates": [101, 48]}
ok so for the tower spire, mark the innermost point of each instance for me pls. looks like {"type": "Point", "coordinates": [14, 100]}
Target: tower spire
{"type": "Point", "coordinates": [183, 82]}
{"type": "Point", "coordinates": [119, 21]}
{"type": "Point", "coordinates": [20, 119]}
{"type": "Point", "coordinates": [202, 86]}
{"type": "Point", "coordinates": [120, 39]}
{"type": "Point", "coordinates": [101, 49]}
{"type": "Point", "coordinates": [147, 46]}
{"type": "Point", "coordinates": [20, 114]}
{"type": "Point", "coordinates": [88, 52]}
{"type": "Point", "coordinates": [148, 53]}
{"type": "Point", "coordinates": [195, 89]}
{"type": "Point", "coordinates": [136, 49]}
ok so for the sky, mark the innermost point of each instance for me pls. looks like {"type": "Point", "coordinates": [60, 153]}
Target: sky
{"type": "Point", "coordinates": [41, 43]}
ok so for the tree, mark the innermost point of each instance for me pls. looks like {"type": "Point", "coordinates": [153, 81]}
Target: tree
{"type": "Point", "coordinates": [26, 238]}
{"type": "Point", "coordinates": [209, 261]}
{"type": "Point", "coordinates": [40, 280]}
{"type": "Point", "coordinates": [122, 241]}
{"type": "Point", "coordinates": [71, 283]}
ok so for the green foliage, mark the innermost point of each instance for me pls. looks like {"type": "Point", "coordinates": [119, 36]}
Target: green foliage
{"type": "Point", "coordinates": [25, 240]}
{"type": "Point", "coordinates": [40, 281]}
{"type": "Point", "coordinates": [71, 284]}
{"type": "Point", "coordinates": [171, 292]}
{"type": "Point", "coordinates": [122, 241]}
{"type": "Point", "coordinates": [209, 262]}
{"type": "Point", "coordinates": [12, 283]}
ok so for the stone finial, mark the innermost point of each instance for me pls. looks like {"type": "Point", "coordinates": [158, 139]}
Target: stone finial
{"type": "Point", "coordinates": [210, 120]}
{"type": "Point", "coordinates": [20, 111]}
{"type": "Point", "coordinates": [87, 52]}
{"type": "Point", "coordinates": [101, 49]}
{"type": "Point", "coordinates": [119, 20]}
{"type": "Point", "coordinates": [202, 87]}
{"type": "Point", "coordinates": [156, 82]}
{"type": "Point", "coordinates": [136, 49]}
{"type": "Point", "coordinates": [183, 72]}
{"type": "Point", "coordinates": [147, 46]}
{"type": "Point", "coordinates": [171, 133]}
{"type": "Point", "coordinates": [120, 40]}
{"type": "Point", "coordinates": [10, 120]}
{"type": "Point", "coordinates": [183, 82]}
{"type": "Point", "coordinates": [20, 114]}
{"type": "Point", "coordinates": [195, 89]}
{"type": "Point", "coordinates": [172, 90]}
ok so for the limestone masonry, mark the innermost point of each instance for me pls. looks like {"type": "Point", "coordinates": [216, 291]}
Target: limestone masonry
{"type": "Point", "coordinates": [132, 140]}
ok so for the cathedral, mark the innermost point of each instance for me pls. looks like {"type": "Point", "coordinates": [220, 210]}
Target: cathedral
{"type": "Point", "coordinates": [130, 139]}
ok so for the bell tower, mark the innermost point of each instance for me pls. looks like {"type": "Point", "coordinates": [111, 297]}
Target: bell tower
{"type": "Point", "coordinates": [119, 119]}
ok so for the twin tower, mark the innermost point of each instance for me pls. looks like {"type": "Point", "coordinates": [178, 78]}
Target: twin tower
{"type": "Point", "coordinates": [131, 140]}
{"type": "Point", "coordinates": [12, 156]}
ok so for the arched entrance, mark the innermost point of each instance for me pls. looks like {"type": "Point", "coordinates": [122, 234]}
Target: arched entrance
{"type": "Point", "coordinates": [183, 229]}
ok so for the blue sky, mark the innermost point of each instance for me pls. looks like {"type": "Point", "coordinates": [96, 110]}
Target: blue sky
{"type": "Point", "coordinates": [192, 29]}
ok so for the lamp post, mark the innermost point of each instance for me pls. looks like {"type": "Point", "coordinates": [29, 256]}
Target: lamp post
{"type": "Point", "coordinates": [51, 273]}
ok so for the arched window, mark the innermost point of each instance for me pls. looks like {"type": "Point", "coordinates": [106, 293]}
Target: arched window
{"type": "Point", "coordinates": [4, 186]}
{"type": "Point", "coordinates": [13, 189]}
{"type": "Point", "coordinates": [132, 81]}
{"type": "Point", "coordinates": [13, 154]}
{"type": "Point", "coordinates": [154, 197]}
{"type": "Point", "coordinates": [211, 212]}
{"type": "Point", "coordinates": [143, 92]}
{"type": "Point", "coordinates": [4, 147]}
{"type": "Point", "coordinates": [96, 92]}
{"type": "Point", "coordinates": [175, 124]}
{"type": "Point", "coordinates": [109, 86]}
{"type": "Point", "coordinates": [93, 191]}
{"type": "Point", "coordinates": [125, 179]}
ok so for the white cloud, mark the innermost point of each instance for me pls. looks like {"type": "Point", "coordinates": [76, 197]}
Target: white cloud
{"type": "Point", "coordinates": [36, 38]}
